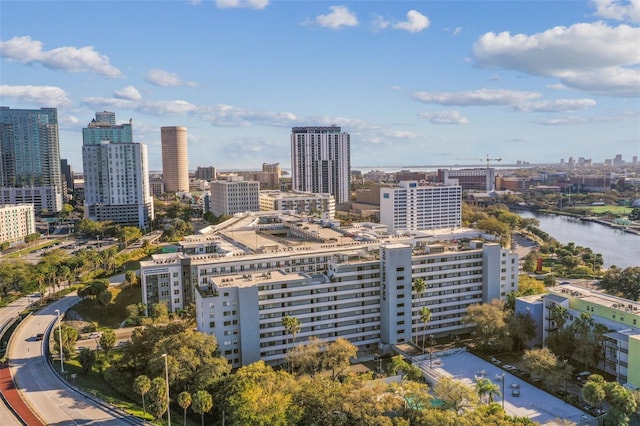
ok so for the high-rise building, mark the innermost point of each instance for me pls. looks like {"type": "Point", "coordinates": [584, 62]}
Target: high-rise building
{"type": "Point", "coordinates": [479, 179]}
{"type": "Point", "coordinates": [206, 173]}
{"type": "Point", "coordinates": [30, 158]}
{"type": "Point", "coordinates": [107, 117]}
{"type": "Point", "coordinates": [116, 175]}
{"type": "Point", "coordinates": [409, 206]}
{"type": "Point", "coordinates": [321, 161]}
{"type": "Point", "coordinates": [175, 160]}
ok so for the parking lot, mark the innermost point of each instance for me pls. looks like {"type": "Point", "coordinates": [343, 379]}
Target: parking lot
{"type": "Point", "coordinates": [522, 399]}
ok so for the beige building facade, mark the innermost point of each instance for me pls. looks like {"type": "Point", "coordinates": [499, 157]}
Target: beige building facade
{"type": "Point", "coordinates": [175, 159]}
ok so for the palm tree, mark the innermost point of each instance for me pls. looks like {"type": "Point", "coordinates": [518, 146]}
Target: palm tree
{"type": "Point", "coordinates": [419, 286]}
{"type": "Point", "coordinates": [425, 317]}
{"type": "Point", "coordinates": [559, 314]}
{"type": "Point", "coordinates": [292, 326]}
{"type": "Point", "coordinates": [485, 387]}
{"type": "Point", "coordinates": [184, 401]}
{"type": "Point", "coordinates": [142, 385]}
{"type": "Point", "coordinates": [202, 403]}
{"type": "Point", "coordinates": [130, 277]}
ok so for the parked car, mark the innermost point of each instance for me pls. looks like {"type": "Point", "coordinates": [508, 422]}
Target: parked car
{"type": "Point", "coordinates": [515, 389]}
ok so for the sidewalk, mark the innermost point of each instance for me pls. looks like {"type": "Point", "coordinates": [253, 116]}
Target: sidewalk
{"type": "Point", "coordinates": [12, 397]}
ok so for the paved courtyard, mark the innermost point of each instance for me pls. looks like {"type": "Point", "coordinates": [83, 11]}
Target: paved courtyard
{"type": "Point", "coordinates": [533, 403]}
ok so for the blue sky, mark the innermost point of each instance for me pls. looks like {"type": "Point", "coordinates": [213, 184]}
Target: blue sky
{"type": "Point", "coordinates": [414, 83]}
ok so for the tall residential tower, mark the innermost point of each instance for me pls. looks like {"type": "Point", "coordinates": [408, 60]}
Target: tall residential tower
{"type": "Point", "coordinates": [30, 158]}
{"type": "Point", "coordinates": [321, 161]}
{"type": "Point", "coordinates": [116, 175]}
{"type": "Point", "coordinates": [175, 161]}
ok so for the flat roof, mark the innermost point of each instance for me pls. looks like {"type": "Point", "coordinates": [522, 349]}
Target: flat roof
{"type": "Point", "coordinates": [252, 279]}
{"type": "Point", "coordinates": [597, 297]}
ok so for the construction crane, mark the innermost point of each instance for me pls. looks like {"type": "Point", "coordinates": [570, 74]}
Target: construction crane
{"type": "Point", "coordinates": [486, 160]}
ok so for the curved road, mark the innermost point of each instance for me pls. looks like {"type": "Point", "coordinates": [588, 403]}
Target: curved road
{"type": "Point", "coordinates": [7, 314]}
{"type": "Point", "coordinates": [40, 387]}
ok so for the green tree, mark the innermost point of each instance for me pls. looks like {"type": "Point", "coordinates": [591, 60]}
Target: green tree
{"type": "Point", "coordinates": [107, 340]}
{"type": "Point", "coordinates": [104, 298]}
{"type": "Point", "coordinates": [202, 403]}
{"type": "Point", "coordinates": [419, 286]}
{"type": "Point", "coordinates": [87, 359]}
{"type": "Point", "coordinates": [542, 363]}
{"type": "Point", "coordinates": [291, 326]}
{"type": "Point", "coordinates": [337, 356]}
{"type": "Point", "coordinates": [456, 395]}
{"type": "Point", "coordinates": [130, 278]}
{"type": "Point", "coordinates": [399, 365]}
{"type": "Point", "coordinates": [69, 338]}
{"type": "Point", "coordinates": [622, 282]}
{"type": "Point", "coordinates": [184, 401]}
{"type": "Point", "coordinates": [158, 397]}
{"type": "Point", "coordinates": [141, 386]}
{"type": "Point", "coordinates": [308, 357]}
{"type": "Point", "coordinates": [425, 317]}
{"type": "Point", "coordinates": [490, 323]}
{"type": "Point", "coordinates": [522, 328]}
{"type": "Point", "coordinates": [485, 388]}
{"type": "Point", "coordinates": [258, 395]}
{"type": "Point", "coordinates": [129, 234]}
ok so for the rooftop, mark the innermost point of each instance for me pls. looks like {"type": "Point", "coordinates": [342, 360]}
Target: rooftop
{"type": "Point", "coordinates": [597, 297]}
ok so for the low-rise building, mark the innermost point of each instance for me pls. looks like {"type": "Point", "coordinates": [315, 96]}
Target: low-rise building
{"type": "Point", "coordinates": [621, 317]}
{"type": "Point", "coordinates": [322, 205]}
{"type": "Point", "coordinates": [16, 222]}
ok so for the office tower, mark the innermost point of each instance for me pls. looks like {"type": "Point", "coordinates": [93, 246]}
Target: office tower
{"type": "Point", "coordinates": [234, 195]}
{"type": "Point", "coordinates": [116, 175]}
{"type": "Point", "coordinates": [30, 158]}
{"type": "Point", "coordinates": [478, 179]}
{"type": "Point", "coordinates": [272, 168]}
{"type": "Point", "coordinates": [106, 117]}
{"type": "Point", "coordinates": [320, 161]}
{"type": "Point", "coordinates": [67, 178]}
{"type": "Point", "coordinates": [412, 207]}
{"type": "Point", "coordinates": [175, 161]}
{"type": "Point", "coordinates": [205, 173]}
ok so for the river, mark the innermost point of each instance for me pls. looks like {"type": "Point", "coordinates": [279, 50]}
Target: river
{"type": "Point", "coordinates": [617, 247]}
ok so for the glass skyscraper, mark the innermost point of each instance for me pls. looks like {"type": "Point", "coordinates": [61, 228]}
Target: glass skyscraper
{"type": "Point", "coordinates": [30, 158]}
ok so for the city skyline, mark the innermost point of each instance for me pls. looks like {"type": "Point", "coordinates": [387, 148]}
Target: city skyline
{"type": "Point", "coordinates": [413, 83]}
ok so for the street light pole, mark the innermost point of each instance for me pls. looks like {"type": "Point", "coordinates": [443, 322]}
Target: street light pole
{"type": "Point", "coordinates": [430, 349]}
{"type": "Point", "coordinates": [166, 378]}
{"type": "Point", "coordinates": [60, 337]}
{"type": "Point", "coordinates": [501, 376]}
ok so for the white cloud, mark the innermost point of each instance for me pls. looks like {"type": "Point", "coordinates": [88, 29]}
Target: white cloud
{"type": "Point", "coordinates": [338, 17]}
{"type": "Point", "coordinates": [129, 93]}
{"type": "Point", "coordinates": [378, 23]}
{"type": "Point", "coordinates": [49, 96]}
{"type": "Point", "coordinates": [166, 79]}
{"type": "Point", "coordinates": [71, 59]}
{"type": "Point", "coordinates": [476, 97]}
{"type": "Point", "coordinates": [100, 103]}
{"type": "Point", "coordinates": [592, 57]}
{"type": "Point", "coordinates": [618, 10]}
{"type": "Point", "coordinates": [242, 4]}
{"type": "Point", "coordinates": [167, 107]}
{"type": "Point", "coordinates": [560, 105]}
{"type": "Point", "coordinates": [444, 117]}
{"type": "Point", "coordinates": [228, 116]}
{"type": "Point", "coordinates": [415, 22]}
{"type": "Point", "coordinates": [457, 31]}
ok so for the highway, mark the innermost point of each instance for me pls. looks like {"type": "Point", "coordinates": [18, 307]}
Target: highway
{"type": "Point", "coordinates": [41, 388]}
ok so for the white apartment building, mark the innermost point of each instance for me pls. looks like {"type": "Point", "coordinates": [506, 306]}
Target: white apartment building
{"type": "Point", "coordinates": [323, 205]}
{"type": "Point", "coordinates": [321, 161]}
{"type": "Point", "coordinates": [16, 222]}
{"type": "Point", "coordinates": [410, 206]}
{"type": "Point", "coordinates": [116, 184]}
{"type": "Point", "coordinates": [47, 198]}
{"type": "Point", "coordinates": [234, 195]}
{"type": "Point", "coordinates": [246, 274]}
{"type": "Point", "coordinates": [116, 174]}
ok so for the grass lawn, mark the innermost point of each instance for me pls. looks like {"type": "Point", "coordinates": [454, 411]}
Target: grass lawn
{"type": "Point", "coordinates": [618, 210]}
{"type": "Point", "coordinates": [113, 315]}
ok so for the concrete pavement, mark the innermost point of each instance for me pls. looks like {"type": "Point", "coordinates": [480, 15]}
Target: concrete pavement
{"type": "Point", "coordinates": [55, 402]}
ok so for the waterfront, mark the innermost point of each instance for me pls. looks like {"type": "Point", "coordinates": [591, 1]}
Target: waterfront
{"type": "Point", "coordinates": [616, 246]}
